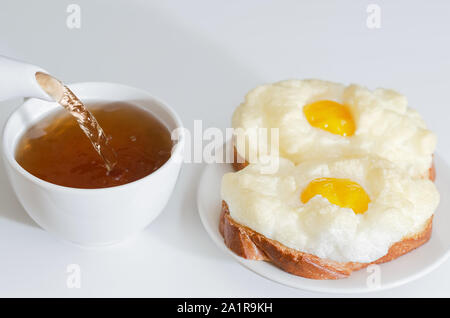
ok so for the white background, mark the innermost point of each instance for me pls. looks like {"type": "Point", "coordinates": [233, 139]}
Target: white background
{"type": "Point", "coordinates": [202, 57]}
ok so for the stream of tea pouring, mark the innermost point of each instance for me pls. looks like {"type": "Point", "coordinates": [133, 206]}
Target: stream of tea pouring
{"type": "Point", "coordinates": [87, 122]}
{"type": "Point", "coordinates": [20, 79]}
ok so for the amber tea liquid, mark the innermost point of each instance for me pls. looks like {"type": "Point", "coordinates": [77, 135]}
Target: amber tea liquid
{"type": "Point", "coordinates": [56, 150]}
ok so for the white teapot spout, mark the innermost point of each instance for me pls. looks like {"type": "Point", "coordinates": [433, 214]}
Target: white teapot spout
{"type": "Point", "coordinates": [18, 79]}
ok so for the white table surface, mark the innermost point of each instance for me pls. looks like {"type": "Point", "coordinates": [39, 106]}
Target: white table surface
{"type": "Point", "coordinates": [202, 56]}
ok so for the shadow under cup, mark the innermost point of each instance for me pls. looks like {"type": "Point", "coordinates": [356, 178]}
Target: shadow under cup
{"type": "Point", "coordinates": [93, 216]}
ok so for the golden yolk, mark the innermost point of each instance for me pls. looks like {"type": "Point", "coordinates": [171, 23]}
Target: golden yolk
{"type": "Point", "coordinates": [330, 116]}
{"type": "Point", "coordinates": [342, 192]}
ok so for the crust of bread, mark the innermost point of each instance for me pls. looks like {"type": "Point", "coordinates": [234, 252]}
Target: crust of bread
{"type": "Point", "coordinates": [254, 246]}
{"type": "Point", "coordinates": [240, 163]}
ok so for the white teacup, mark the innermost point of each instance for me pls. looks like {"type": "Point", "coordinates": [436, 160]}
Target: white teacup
{"type": "Point", "coordinates": [93, 216]}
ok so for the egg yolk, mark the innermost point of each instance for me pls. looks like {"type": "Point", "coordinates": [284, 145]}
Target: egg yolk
{"type": "Point", "coordinates": [342, 192]}
{"type": "Point", "coordinates": [330, 116]}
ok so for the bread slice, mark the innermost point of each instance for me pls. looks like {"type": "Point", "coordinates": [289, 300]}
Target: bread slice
{"type": "Point", "coordinates": [240, 163]}
{"type": "Point", "coordinates": [254, 246]}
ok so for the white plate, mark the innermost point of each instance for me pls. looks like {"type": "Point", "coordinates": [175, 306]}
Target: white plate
{"type": "Point", "coordinates": [404, 269]}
